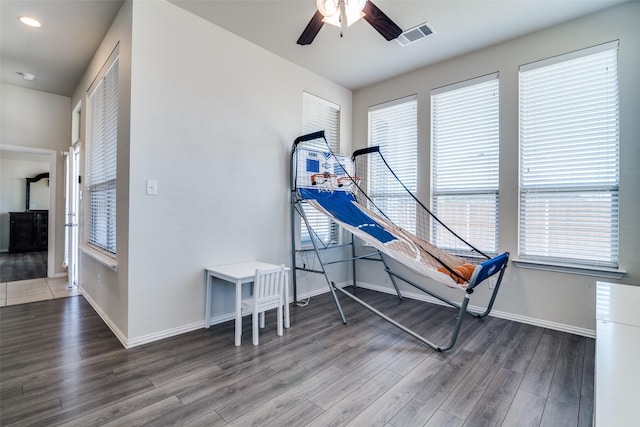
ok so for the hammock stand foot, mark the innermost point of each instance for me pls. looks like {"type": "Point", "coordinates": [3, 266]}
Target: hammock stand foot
{"type": "Point", "coordinates": [462, 308]}
{"type": "Point", "coordinates": [439, 348]}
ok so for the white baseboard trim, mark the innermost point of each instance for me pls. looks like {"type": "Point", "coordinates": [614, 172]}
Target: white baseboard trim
{"type": "Point", "coordinates": [230, 316]}
{"type": "Point", "coordinates": [316, 292]}
{"type": "Point", "coordinates": [589, 333]}
{"type": "Point", "coordinates": [167, 333]}
{"type": "Point", "coordinates": [117, 332]}
{"type": "Point", "coordinates": [221, 319]}
{"type": "Point", "coordinates": [145, 339]}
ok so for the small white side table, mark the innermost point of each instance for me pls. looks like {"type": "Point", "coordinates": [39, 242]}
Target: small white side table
{"type": "Point", "coordinates": [239, 274]}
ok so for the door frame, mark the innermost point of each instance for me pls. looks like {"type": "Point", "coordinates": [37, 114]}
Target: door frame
{"type": "Point", "coordinates": [72, 203]}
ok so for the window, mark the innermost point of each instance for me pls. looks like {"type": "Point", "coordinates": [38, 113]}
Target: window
{"type": "Point", "coordinates": [569, 158]}
{"type": "Point", "coordinates": [393, 127]}
{"type": "Point", "coordinates": [103, 140]}
{"type": "Point", "coordinates": [465, 151]}
{"type": "Point", "coordinates": [319, 114]}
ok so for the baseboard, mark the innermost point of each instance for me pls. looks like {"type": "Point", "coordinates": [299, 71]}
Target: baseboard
{"type": "Point", "coordinates": [117, 332]}
{"type": "Point", "coordinates": [167, 333]}
{"type": "Point", "coordinates": [230, 316]}
{"type": "Point", "coordinates": [145, 339]}
{"type": "Point", "coordinates": [316, 292]}
{"type": "Point", "coordinates": [589, 333]}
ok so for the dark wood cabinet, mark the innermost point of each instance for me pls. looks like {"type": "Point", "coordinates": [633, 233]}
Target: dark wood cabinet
{"type": "Point", "coordinates": [28, 231]}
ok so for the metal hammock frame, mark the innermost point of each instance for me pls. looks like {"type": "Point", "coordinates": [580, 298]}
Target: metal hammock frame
{"type": "Point", "coordinates": [487, 268]}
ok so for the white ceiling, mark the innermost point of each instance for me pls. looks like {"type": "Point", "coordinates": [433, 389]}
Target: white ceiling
{"type": "Point", "coordinates": [362, 56]}
{"type": "Point", "coordinates": [59, 52]}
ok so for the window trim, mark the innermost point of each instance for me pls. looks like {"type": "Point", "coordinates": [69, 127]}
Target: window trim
{"type": "Point", "coordinates": [375, 194]}
{"type": "Point", "coordinates": [103, 258]}
{"type": "Point", "coordinates": [609, 273]}
{"type": "Point", "coordinates": [335, 236]}
{"type": "Point", "coordinates": [97, 252]}
{"type": "Point", "coordinates": [473, 192]}
{"type": "Point", "coordinates": [608, 269]}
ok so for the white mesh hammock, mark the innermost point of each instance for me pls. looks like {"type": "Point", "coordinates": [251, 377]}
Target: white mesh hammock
{"type": "Point", "coordinates": [343, 189]}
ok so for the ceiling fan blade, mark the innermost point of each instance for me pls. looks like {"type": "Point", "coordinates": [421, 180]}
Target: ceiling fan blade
{"type": "Point", "coordinates": [381, 22]}
{"type": "Point", "coordinates": [312, 29]}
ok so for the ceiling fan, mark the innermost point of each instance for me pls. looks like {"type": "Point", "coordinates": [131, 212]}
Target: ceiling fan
{"type": "Point", "coordinates": [343, 13]}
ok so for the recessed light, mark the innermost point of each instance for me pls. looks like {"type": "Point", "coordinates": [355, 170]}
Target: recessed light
{"type": "Point", "coordinates": [32, 22]}
{"type": "Point", "coordinates": [26, 76]}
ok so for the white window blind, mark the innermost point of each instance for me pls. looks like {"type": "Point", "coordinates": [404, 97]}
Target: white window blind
{"type": "Point", "coordinates": [103, 141]}
{"type": "Point", "coordinates": [465, 156]}
{"type": "Point", "coordinates": [393, 126]}
{"type": "Point", "coordinates": [319, 114]}
{"type": "Point", "coordinates": [569, 158]}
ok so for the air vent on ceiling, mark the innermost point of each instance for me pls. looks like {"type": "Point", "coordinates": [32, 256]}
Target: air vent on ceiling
{"type": "Point", "coordinates": [414, 34]}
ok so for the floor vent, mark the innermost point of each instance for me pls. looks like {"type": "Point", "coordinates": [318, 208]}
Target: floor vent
{"type": "Point", "coordinates": [414, 34]}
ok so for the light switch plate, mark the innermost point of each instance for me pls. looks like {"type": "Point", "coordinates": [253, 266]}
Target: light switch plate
{"type": "Point", "coordinates": [152, 187]}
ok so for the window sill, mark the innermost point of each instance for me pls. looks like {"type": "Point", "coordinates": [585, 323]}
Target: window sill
{"type": "Point", "coordinates": [101, 257]}
{"type": "Point", "coordinates": [609, 273]}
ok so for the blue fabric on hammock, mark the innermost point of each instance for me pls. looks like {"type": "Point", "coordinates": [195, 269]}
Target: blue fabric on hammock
{"type": "Point", "coordinates": [491, 266]}
{"type": "Point", "coordinates": [340, 205]}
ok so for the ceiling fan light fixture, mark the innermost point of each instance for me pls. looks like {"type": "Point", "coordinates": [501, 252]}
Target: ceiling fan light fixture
{"type": "Point", "coordinates": [343, 13]}
{"type": "Point", "coordinates": [332, 10]}
{"type": "Point", "coordinates": [328, 7]}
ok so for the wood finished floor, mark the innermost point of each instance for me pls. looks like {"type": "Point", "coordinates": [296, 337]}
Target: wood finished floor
{"type": "Point", "coordinates": [60, 365]}
{"type": "Point", "coordinates": [15, 266]}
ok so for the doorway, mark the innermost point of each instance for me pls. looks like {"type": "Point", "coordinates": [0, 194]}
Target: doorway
{"type": "Point", "coordinates": [19, 163]}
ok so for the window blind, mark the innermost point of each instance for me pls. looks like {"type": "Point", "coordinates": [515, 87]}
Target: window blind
{"type": "Point", "coordinates": [319, 114]}
{"type": "Point", "coordinates": [465, 156]}
{"type": "Point", "coordinates": [393, 127]}
{"type": "Point", "coordinates": [103, 141]}
{"type": "Point", "coordinates": [569, 158]}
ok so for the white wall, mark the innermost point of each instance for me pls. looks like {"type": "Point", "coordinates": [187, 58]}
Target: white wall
{"type": "Point", "coordinates": [108, 290]}
{"type": "Point", "coordinates": [14, 168]}
{"type": "Point", "coordinates": [213, 118]}
{"type": "Point", "coordinates": [34, 121]}
{"type": "Point", "coordinates": [556, 298]}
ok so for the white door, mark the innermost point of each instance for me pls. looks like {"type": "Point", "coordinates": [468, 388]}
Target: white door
{"type": "Point", "coordinates": [72, 193]}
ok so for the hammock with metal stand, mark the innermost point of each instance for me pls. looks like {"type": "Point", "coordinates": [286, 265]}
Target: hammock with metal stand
{"type": "Point", "coordinates": [335, 185]}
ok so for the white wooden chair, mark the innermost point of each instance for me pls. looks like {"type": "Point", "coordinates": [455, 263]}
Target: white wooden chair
{"type": "Point", "coordinates": [268, 293]}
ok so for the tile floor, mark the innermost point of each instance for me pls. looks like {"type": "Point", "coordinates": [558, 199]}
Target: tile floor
{"type": "Point", "coordinates": [24, 291]}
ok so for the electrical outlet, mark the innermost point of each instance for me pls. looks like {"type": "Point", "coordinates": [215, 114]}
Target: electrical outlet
{"type": "Point", "coordinates": [98, 281]}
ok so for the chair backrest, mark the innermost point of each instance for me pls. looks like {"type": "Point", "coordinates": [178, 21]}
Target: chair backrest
{"type": "Point", "coordinates": [269, 283]}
